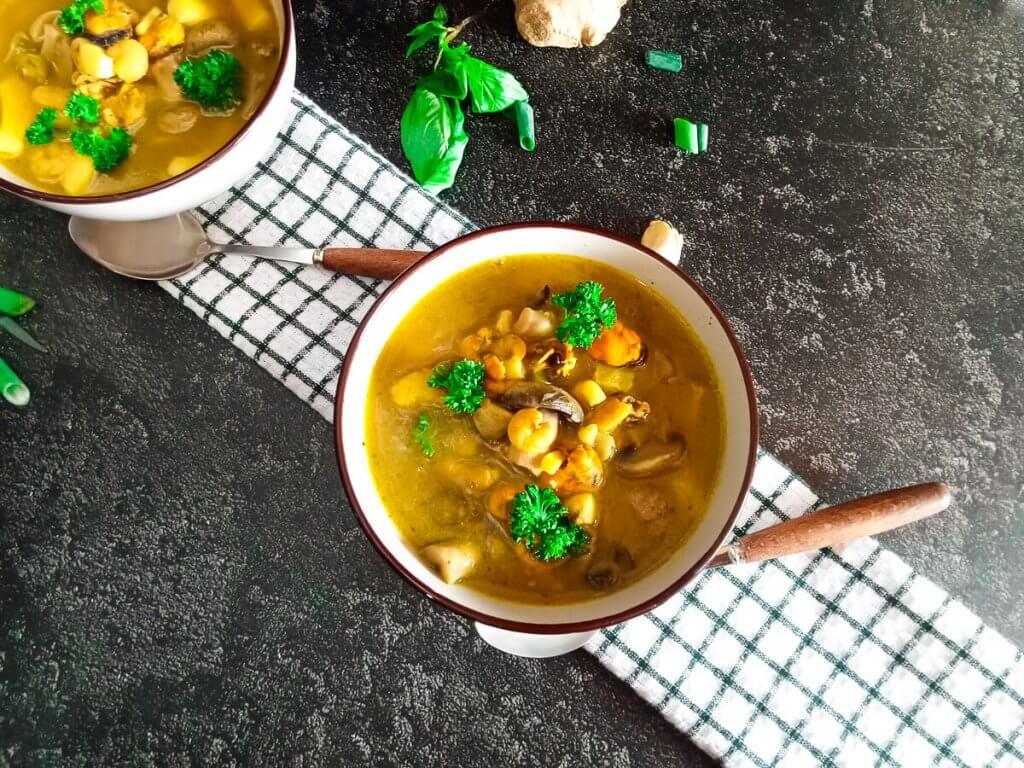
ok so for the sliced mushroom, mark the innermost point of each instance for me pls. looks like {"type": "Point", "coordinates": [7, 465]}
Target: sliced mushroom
{"type": "Point", "coordinates": [652, 458]}
{"type": "Point", "coordinates": [162, 71]}
{"type": "Point", "coordinates": [37, 30]}
{"type": "Point", "coordinates": [537, 394]}
{"type": "Point", "coordinates": [603, 574]}
{"type": "Point", "coordinates": [543, 297]}
{"type": "Point", "coordinates": [208, 35]}
{"type": "Point", "coordinates": [624, 559]}
{"type": "Point", "coordinates": [650, 503]}
{"type": "Point", "coordinates": [179, 118]}
{"type": "Point", "coordinates": [491, 420]}
{"type": "Point", "coordinates": [454, 560]}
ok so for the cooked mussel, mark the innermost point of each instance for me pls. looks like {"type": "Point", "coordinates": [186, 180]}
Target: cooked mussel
{"type": "Point", "coordinates": [652, 457]}
{"type": "Point", "coordinates": [548, 397]}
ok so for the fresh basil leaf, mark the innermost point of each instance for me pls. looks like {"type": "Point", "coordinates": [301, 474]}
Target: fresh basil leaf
{"type": "Point", "coordinates": [444, 82]}
{"type": "Point", "coordinates": [428, 32]}
{"type": "Point", "coordinates": [453, 57]}
{"type": "Point", "coordinates": [440, 14]}
{"type": "Point", "coordinates": [491, 89]}
{"type": "Point", "coordinates": [444, 173]}
{"type": "Point", "coordinates": [427, 125]}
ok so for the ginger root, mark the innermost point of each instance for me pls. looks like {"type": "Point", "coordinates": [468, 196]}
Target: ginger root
{"type": "Point", "coordinates": [566, 23]}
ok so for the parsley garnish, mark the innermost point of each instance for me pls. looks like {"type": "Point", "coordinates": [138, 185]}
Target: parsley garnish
{"type": "Point", "coordinates": [541, 524]}
{"type": "Point", "coordinates": [212, 81]}
{"type": "Point", "coordinates": [421, 436]}
{"type": "Point", "coordinates": [72, 18]}
{"type": "Point", "coordinates": [585, 313]}
{"type": "Point", "coordinates": [84, 108]}
{"type": "Point", "coordinates": [41, 130]}
{"type": "Point", "coordinates": [464, 382]}
{"type": "Point", "coordinates": [107, 152]}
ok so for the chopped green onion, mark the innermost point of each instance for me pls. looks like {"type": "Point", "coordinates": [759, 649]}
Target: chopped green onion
{"type": "Point", "coordinates": [11, 387]}
{"type": "Point", "coordinates": [524, 121]}
{"type": "Point", "coordinates": [670, 61]}
{"type": "Point", "coordinates": [8, 324]}
{"type": "Point", "coordinates": [686, 135]}
{"type": "Point", "coordinates": [15, 304]}
{"type": "Point", "coordinates": [692, 137]}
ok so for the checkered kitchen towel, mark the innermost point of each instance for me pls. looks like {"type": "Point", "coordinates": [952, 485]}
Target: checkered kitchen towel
{"type": "Point", "coordinates": [844, 658]}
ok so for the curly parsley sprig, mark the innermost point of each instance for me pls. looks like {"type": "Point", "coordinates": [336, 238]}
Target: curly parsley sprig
{"type": "Point", "coordinates": [585, 314]}
{"type": "Point", "coordinates": [464, 383]}
{"type": "Point", "coordinates": [542, 525]}
{"type": "Point", "coordinates": [213, 80]}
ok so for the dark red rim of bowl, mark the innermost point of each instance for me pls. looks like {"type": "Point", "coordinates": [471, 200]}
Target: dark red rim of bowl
{"type": "Point", "coordinates": [551, 628]}
{"type": "Point", "coordinates": [47, 197]}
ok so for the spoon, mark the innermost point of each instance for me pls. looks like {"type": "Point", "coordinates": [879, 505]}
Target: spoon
{"type": "Point", "coordinates": [164, 248]}
{"type": "Point", "coordinates": [836, 525]}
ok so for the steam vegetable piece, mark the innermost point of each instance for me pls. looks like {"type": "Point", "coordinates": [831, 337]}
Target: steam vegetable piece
{"type": "Point", "coordinates": [542, 525]}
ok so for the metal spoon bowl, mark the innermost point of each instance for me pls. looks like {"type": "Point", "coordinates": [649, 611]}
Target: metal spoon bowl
{"type": "Point", "coordinates": [162, 249]}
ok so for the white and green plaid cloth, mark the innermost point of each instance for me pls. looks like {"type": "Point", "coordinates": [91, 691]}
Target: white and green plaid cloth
{"type": "Point", "coordinates": [832, 658]}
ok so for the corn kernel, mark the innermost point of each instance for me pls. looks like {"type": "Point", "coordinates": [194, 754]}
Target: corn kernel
{"type": "Point", "coordinates": [604, 444]}
{"type": "Point", "coordinates": [589, 392]}
{"type": "Point", "coordinates": [552, 462]}
{"type": "Point", "coordinates": [582, 508]}
{"type": "Point", "coordinates": [504, 322]}
{"type": "Point", "coordinates": [588, 434]}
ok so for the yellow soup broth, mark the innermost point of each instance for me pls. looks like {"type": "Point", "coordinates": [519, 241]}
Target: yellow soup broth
{"type": "Point", "coordinates": [41, 66]}
{"type": "Point", "coordinates": [456, 499]}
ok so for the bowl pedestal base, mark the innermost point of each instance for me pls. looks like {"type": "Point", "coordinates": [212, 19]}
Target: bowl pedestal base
{"type": "Point", "coordinates": [532, 646]}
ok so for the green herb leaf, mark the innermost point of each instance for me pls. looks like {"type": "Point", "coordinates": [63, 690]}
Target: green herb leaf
{"type": "Point", "coordinates": [212, 81]}
{"type": "Point", "coordinates": [84, 108]}
{"type": "Point", "coordinates": [426, 131]}
{"type": "Point", "coordinates": [72, 18]}
{"type": "Point", "coordinates": [585, 313]}
{"type": "Point", "coordinates": [542, 525]}
{"type": "Point", "coordinates": [491, 89]}
{"type": "Point", "coordinates": [41, 129]}
{"type": "Point", "coordinates": [107, 152]}
{"type": "Point", "coordinates": [464, 383]}
{"type": "Point", "coordinates": [445, 82]}
{"type": "Point", "coordinates": [428, 32]}
{"type": "Point", "coordinates": [440, 14]}
{"type": "Point", "coordinates": [15, 304]}
{"type": "Point", "coordinates": [444, 173]}
{"type": "Point", "coordinates": [421, 436]}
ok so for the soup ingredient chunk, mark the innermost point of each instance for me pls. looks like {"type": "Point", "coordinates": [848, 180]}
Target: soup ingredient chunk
{"type": "Point", "coordinates": [72, 18]}
{"type": "Point", "coordinates": [585, 314]}
{"type": "Point", "coordinates": [41, 130]}
{"type": "Point", "coordinates": [454, 559]}
{"type": "Point", "coordinates": [618, 346]}
{"type": "Point", "coordinates": [541, 524]}
{"type": "Point", "coordinates": [212, 81]}
{"type": "Point", "coordinates": [107, 151]}
{"type": "Point", "coordinates": [464, 382]}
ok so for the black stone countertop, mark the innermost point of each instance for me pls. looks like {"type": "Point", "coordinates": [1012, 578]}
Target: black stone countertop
{"type": "Point", "coordinates": [183, 582]}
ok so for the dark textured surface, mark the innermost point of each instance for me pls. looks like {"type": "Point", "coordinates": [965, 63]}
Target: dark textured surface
{"type": "Point", "coordinates": [182, 582]}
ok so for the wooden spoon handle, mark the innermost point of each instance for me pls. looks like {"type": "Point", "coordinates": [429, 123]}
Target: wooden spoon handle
{"type": "Point", "coordinates": [837, 525]}
{"type": "Point", "coordinates": [370, 262]}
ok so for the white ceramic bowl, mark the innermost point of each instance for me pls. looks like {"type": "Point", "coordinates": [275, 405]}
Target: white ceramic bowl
{"type": "Point", "coordinates": [682, 292]}
{"type": "Point", "coordinates": [228, 165]}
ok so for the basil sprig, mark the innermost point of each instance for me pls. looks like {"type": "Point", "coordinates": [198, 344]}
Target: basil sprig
{"type": "Point", "coordinates": [434, 136]}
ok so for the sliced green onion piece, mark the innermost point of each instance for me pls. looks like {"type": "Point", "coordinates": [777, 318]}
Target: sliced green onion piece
{"type": "Point", "coordinates": [15, 304]}
{"type": "Point", "coordinates": [524, 121]}
{"type": "Point", "coordinates": [8, 324]}
{"type": "Point", "coordinates": [11, 387]}
{"type": "Point", "coordinates": [702, 137]}
{"type": "Point", "coordinates": [670, 61]}
{"type": "Point", "coordinates": [686, 135]}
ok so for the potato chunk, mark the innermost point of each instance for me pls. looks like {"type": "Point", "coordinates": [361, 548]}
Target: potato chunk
{"type": "Point", "coordinates": [454, 560]}
{"type": "Point", "coordinates": [412, 389]}
{"type": "Point", "coordinates": [16, 114]}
